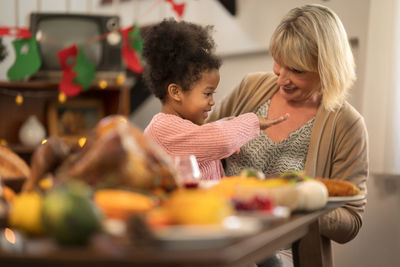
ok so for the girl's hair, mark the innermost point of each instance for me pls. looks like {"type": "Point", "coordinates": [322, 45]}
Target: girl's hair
{"type": "Point", "coordinates": [177, 52]}
{"type": "Point", "coordinates": [312, 38]}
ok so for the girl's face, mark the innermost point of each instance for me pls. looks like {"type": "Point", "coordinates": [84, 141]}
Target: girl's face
{"type": "Point", "coordinates": [197, 102]}
{"type": "Point", "coordinates": [297, 86]}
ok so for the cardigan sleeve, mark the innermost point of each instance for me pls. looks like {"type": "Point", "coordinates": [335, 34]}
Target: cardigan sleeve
{"type": "Point", "coordinates": [211, 141]}
{"type": "Point", "coordinates": [349, 162]}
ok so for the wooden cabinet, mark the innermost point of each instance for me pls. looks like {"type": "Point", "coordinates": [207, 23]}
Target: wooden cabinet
{"type": "Point", "coordinates": [39, 96]}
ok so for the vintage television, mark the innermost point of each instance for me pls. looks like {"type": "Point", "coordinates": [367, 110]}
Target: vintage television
{"type": "Point", "coordinates": [56, 31]}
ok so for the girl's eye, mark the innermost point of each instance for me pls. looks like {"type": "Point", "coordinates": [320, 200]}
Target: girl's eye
{"type": "Point", "coordinates": [208, 94]}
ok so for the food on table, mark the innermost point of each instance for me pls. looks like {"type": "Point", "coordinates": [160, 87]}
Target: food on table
{"type": "Point", "coordinates": [120, 204]}
{"type": "Point", "coordinates": [158, 216]}
{"type": "Point", "coordinates": [8, 194]}
{"type": "Point", "coordinates": [227, 185]}
{"type": "Point", "coordinates": [251, 172]}
{"type": "Point", "coordinates": [339, 187]}
{"type": "Point", "coordinates": [255, 203]}
{"type": "Point", "coordinates": [12, 165]}
{"type": "Point", "coordinates": [26, 213]}
{"type": "Point", "coordinates": [193, 206]}
{"type": "Point", "coordinates": [69, 214]}
{"type": "Point", "coordinates": [295, 176]}
{"type": "Point", "coordinates": [313, 195]}
{"type": "Point", "coordinates": [45, 159]}
{"type": "Point", "coordinates": [280, 191]}
{"type": "Point", "coordinates": [117, 154]}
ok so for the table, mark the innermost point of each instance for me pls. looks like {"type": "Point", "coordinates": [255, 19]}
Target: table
{"type": "Point", "coordinates": [299, 231]}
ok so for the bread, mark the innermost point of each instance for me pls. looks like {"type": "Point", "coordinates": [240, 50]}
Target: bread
{"type": "Point", "coordinates": [339, 187]}
{"type": "Point", "coordinates": [12, 165]}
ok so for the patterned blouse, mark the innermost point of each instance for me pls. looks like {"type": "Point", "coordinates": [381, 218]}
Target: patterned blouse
{"type": "Point", "coordinates": [269, 157]}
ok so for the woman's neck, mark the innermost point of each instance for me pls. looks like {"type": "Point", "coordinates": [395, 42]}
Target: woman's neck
{"type": "Point", "coordinates": [312, 102]}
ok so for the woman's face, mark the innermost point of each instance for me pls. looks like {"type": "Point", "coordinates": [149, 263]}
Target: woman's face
{"type": "Point", "coordinates": [197, 102]}
{"type": "Point", "coordinates": [297, 86]}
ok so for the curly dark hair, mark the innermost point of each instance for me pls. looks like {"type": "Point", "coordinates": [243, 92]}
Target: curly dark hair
{"type": "Point", "coordinates": [177, 52]}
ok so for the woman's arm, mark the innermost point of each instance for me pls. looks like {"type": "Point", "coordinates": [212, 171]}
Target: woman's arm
{"type": "Point", "coordinates": [349, 162]}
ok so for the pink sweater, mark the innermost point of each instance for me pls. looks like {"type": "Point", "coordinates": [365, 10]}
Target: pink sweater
{"type": "Point", "coordinates": [209, 142]}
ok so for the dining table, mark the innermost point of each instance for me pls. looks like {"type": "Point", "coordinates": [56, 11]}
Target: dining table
{"type": "Point", "coordinates": [300, 232]}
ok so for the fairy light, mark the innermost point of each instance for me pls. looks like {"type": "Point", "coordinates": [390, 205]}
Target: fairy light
{"type": "Point", "coordinates": [103, 84]}
{"type": "Point", "coordinates": [44, 141]}
{"type": "Point", "coordinates": [19, 99]}
{"type": "Point", "coordinates": [3, 142]}
{"type": "Point", "coordinates": [9, 235]}
{"type": "Point", "coordinates": [120, 79]}
{"type": "Point", "coordinates": [82, 141]}
{"type": "Point", "coordinates": [62, 97]}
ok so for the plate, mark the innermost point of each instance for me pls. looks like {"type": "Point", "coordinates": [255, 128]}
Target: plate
{"type": "Point", "coordinates": [278, 213]}
{"type": "Point", "coordinates": [205, 184]}
{"type": "Point", "coordinates": [347, 198]}
{"type": "Point", "coordinates": [198, 236]}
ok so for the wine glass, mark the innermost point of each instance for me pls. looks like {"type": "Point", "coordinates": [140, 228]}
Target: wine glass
{"type": "Point", "coordinates": [188, 172]}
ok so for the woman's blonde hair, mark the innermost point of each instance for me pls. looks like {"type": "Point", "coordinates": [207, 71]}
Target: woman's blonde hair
{"type": "Point", "coordinates": [312, 38]}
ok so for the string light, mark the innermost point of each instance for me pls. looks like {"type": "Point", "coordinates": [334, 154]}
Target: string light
{"type": "Point", "coordinates": [82, 141]}
{"type": "Point", "coordinates": [10, 236]}
{"type": "Point", "coordinates": [35, 94]}
{"type": "Point", "coordinates": [19, 99]}
{"type": "Point", "coordinates": [120, 79]}
{"type": "Point", "coordinates": [44, 141]}
{"type": "Point", "coordinates": [103, 84]}
{"type": "Point", "coordinates": [62, 97]}
{"type": "Point", "coordinates": [3, 142]}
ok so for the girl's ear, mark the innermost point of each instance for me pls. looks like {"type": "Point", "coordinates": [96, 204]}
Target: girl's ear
{"type": "Point", "coordinates": [175, 91]}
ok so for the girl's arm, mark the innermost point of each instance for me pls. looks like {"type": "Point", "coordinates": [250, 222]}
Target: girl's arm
{"type": "Point", "coordinates": [211, 141]}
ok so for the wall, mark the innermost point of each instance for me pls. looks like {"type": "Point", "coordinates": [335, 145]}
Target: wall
{"type": "Point", "coordinates": [378, 241]}
{"type": "Point", "coordinates": [241, 40]}
{"type": "Point", "coordinates": [255, 21]}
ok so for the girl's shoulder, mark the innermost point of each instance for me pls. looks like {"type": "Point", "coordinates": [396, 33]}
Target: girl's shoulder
{"type": "Point", "coordinates": [163, 120]}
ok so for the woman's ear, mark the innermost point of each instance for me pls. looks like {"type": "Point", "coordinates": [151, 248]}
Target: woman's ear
{"type": "Point", "coordinates": [175, 91]}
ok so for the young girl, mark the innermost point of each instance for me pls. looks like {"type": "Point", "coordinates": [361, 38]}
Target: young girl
{"type": "Point", "coordinates": [182, 71]}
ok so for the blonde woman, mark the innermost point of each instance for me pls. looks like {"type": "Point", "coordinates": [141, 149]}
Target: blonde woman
{"type": "Point", "coordinates": [324, 136]}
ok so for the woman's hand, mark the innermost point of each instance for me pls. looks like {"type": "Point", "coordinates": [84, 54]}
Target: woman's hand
{"type": "Point", "coordinates": [265, 123]}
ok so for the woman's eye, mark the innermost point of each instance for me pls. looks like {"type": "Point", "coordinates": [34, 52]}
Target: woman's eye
{"type": "Point", "coordinates": [297, 71]}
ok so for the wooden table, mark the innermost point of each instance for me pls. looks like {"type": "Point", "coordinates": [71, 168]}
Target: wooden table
{"type": "Point", "coordinates": [299, 231]}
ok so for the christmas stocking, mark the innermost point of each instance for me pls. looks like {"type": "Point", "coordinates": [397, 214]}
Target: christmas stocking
{"type": "Point", "coordinates": [27, 59]}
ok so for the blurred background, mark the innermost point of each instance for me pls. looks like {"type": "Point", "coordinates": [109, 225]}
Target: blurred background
{"type": "Point", "coordinates": [242, 32]}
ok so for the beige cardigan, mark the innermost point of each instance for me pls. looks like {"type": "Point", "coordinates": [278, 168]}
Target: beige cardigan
{"type": "Point", "coordinates": [338, 148]}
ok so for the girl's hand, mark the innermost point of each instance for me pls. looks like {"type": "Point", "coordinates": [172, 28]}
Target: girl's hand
{"type": "Point", "coordinates": [265, 123]}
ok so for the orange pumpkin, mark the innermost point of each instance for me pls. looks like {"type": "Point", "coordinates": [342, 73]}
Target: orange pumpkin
{"type": "Point", "coordinates": [120, 204]}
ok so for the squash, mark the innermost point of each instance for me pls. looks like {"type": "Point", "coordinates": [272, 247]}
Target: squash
{"type": "Point", "coordinates": [120, 204]}
{"type": "Point", "coordinates": [69, 214]}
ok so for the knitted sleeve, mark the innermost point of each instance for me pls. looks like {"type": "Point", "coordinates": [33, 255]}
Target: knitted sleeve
{"type": "Point", "coordinates": [211, 141]}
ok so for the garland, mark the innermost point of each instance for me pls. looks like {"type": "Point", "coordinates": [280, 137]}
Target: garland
{"type": "Point", "coordinates": [77, 76]}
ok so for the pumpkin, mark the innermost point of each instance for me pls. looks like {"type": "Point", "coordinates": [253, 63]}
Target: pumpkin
{"type": "Point", "coordinates": [120, 204]}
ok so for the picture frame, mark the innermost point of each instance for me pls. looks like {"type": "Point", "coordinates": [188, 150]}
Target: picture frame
{"type": "Point", "coordinates": [75, 118]}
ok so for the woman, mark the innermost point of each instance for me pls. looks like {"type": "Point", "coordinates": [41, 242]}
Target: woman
{"type": "Point", "coordinates": [324, 135]}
